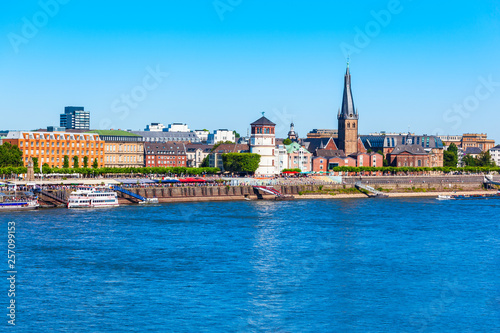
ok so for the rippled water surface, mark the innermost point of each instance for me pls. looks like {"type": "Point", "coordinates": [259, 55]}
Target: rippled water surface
{"type": "Point", "coordinates": [374, 265]}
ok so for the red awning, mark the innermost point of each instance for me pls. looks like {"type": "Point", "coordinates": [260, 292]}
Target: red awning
{"type": "Point", "coordinates": [192, 180]}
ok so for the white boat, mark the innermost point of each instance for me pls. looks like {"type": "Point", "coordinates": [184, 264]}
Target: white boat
{"type": "Point", "coordinates": [93, 197]}
{"type": "Point", "coordinates": [445, 197]}
{"type": "Point", "coordinates": [18, 201]}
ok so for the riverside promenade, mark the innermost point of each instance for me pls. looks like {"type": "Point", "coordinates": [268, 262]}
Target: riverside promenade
{"type": "Point", "coordinates": [300, 188]}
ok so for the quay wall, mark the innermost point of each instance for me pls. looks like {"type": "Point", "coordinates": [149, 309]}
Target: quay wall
{"type": "Point", "coordinates": [223, 193]}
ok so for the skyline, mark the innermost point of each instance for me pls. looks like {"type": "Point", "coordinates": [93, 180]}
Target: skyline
{"type": "Point", "coordinates": [219, 64]}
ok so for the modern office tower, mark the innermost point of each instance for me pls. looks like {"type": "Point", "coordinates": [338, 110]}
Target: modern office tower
{"type": "Point", "coordinates": [75, 117]}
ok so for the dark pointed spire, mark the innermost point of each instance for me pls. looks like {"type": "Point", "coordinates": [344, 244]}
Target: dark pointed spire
{"type": "Point", "coordinates": [347, 110]}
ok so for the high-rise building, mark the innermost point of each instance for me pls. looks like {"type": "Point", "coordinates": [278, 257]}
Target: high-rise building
{"type": "Point", "coordinates": [348, 120]}
{"type": "Point", "coordinates": [75, 117]}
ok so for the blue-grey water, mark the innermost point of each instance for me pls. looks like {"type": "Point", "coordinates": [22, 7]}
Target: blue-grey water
{"type": "Point", "coordinates": [374, 265]}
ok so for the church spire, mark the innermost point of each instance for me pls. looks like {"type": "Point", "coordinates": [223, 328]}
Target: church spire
{"type": "Point", "coordinates": [347, 110]}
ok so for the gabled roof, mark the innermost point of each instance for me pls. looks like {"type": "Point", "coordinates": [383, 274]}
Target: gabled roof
{"type": "Point", "coordinates": [293, 147]}
{"type": "Point", "coordinates": [231, 148]}
{"type": "Point", "coordinates": [411, 149]}
{"type": "Point", "coordinates": [473, 151]}
{"type": "Point", "coordinates": [263, 121]}
{"type": "Point", "coordinates": [313, 144]}
{"type": "Point", "coordinates": [330, 153]}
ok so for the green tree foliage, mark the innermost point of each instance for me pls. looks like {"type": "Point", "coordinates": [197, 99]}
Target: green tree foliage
{"type": "Point", "coordinates": [291, 170]}
{"type": "Point", "coordinates": [450, 156]}
{"type": "Point", "coordinates": [10, 155]}
{"type": "Point", "coordinates": [206, 162]}
{"type": "Point", "coordinates": [66, 161]}
{"type": "Point", "coordinates": [236, 134]}
{"type": "Point", "coordinates": [482, 160]}
{"type": "Point", "coordinates": [85, 161]}
{"type": "Point", "coordinates": [241, 162]}
{"type": "Point", "coordinates": [35, 163]}
{"type": "Point", "coordinates": [75, 162]}
{"type": "Point", "coordinates": [287, 142]}
{"type": "Point", "coordinates": [95, 164]}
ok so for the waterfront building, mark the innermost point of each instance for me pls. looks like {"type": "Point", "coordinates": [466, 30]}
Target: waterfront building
{"type": "Point", "coordinates": [149, 136]}
{"type": "Point", "coordinates": [75, 117]}
{"type": "Point", "coordinates": [122, 149]}
{"type": "Point", "coordinates": [202, 135]}
{"type": "Point", "coordinates": [413, 153]}
{"type": "Point", "coordinates": [473, 151]}
{"type": "Point", "coordinates": [51, 147]}
{"type": "Point", "coordinates": [292, 156]}
{"type": "Point", "coordinates": [480, 141]}
{"type": "Point", "coordinates": [215, 157]}
{"type": "Point", "coordinates": [348, 119]}
{"type": "Point", "coordinates": [449, 139]}
{"type": "Point", "coordinates": [177, 127]}
{"type": "Point", "coordinates": [196, 153]}
{"type": "Point", "coordinates": [154, 127]}
{"type": "Point", "coordinates": [262, 142]}
{"type": "Point", "coordinates": [221, 135]}
{"type": "Point", "coordinates": [323, 133]}
{"type": "Point", "coordinates": [166, 154]}
{"type": "Point", "coordinates": [495, 154]}
{"type": "Point", "coordinates": [387, 143]}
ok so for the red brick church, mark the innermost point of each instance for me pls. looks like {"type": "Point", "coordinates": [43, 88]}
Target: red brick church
{"type": "Point", "coordinates": [347, 149]}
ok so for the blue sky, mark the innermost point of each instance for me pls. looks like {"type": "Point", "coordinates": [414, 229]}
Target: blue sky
{"type": "Point", "coordinates": [431, 66]}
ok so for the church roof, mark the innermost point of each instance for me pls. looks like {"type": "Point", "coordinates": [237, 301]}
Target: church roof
{"type": "Point", "coordinates": [347, 110]}
{"type": "Point", "coordinates": [263, 121]}
{"type": "Point", "coordinates": [411, 149]}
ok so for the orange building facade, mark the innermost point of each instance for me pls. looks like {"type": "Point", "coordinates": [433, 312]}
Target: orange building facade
{"type": "Point", "coordinates": [51, 147]}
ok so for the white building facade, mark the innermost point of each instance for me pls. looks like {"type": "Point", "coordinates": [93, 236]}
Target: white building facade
{"type": "Point", "coordinates": [154, 127]}
{"type": "Point", "coordinates": [220, 135]}
{"type": "Point", "coordinates": [202, 135]}
{"type": "Point", "coordinates": [495, 154]}
{"type": "Point", "coordinates": [263, 142]}
{"type": "Point", "coordinates": [177, 127]}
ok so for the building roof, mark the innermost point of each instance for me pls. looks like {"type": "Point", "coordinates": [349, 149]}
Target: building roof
{"type": "Point", "coordinates": [190, 147]}
{"type": "Point", "coordinates": [473, 151]}
{"type": "Point", "coordinates": [167, 136]}
{"type": "Point", "coordinates": [160, 148]}
{"type": "Point", "coordinates": [347, 111]}
{"type": "Point", "coordinates": [411, 149]}
{"type": "Point", "coordinates": [330, 153]}
{"type": "Point", "coordinates": [263, 121]}
{"type": "Point", "coordinates": [313, 144]}
{"type": "Point", "coordinates": [231, 148]}
{"type": "Point", "coordinates": [112, 133]}
{"type": "Point", "coordinates": [293, 147]}
{"type": "Point", "coordinates": [496, 147]}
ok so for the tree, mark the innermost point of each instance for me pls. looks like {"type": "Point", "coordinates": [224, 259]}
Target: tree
{"type": "Point", "coordinates": [85, 162]}
{"type": "Point", "coordinates": [206, 162]}
{"type": "Point", "coordinates": [241, 162]}
{"type": "Point", "coordinates": [95, 164]}
{"type": "Point", "coordinates": [450, 156]}
{"type": "Point", "coordinates": [236, 134]}
{"type": "Point", "coordinates": [484, 159]}
{"type": "Point", "coordinates": [75, 162]}
{"type": "Point", "coordinates": [287, 142]}
{"type": "Point", "coordinates": [449, 159]}
{"type": "Point", "coordinates": [66, 161]}
{"type": "Point", "coordinates": [10, 155]}
{"type": "Point", "coordinates": [35, 163]}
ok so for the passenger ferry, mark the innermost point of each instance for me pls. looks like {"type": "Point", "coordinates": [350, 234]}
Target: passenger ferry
{"type": "Point", "coordinates": [92, 197]}
{"type": "Point", "coordinates": [18, 201]}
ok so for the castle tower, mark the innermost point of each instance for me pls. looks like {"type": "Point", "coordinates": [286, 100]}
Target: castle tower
{"type": "Point", "coordinates": [262, 142]}
{"type": "Point", "coordinates": [348, 119]}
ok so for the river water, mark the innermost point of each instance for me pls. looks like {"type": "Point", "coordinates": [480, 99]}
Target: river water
{"type": "Point", "coordinates": [356, 265]}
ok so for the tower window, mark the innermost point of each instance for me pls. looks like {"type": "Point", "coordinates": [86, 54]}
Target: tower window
{"type": "Point", "coordinates": [348, 125]}
{"type": "Point", "coordinates": [353, 125]}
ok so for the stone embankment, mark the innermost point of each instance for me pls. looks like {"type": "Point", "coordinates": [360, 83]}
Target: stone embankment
{"type": "Point", "coordinates": [393, 187]}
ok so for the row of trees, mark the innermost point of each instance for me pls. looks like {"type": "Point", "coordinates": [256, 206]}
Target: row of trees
{"type": "Point", "coordinates": [10, 156]}
{"type": "Point", "coordinates": [46, 169]}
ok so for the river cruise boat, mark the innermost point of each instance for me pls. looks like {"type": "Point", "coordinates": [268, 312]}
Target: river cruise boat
{"type": "Point", "coordinates": [18, 201]}
{"type": "Point", "coordinates": [92, 197]}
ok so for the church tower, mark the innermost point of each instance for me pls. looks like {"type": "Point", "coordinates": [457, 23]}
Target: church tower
{"type": "Point", "coordinates": [348, 119]}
